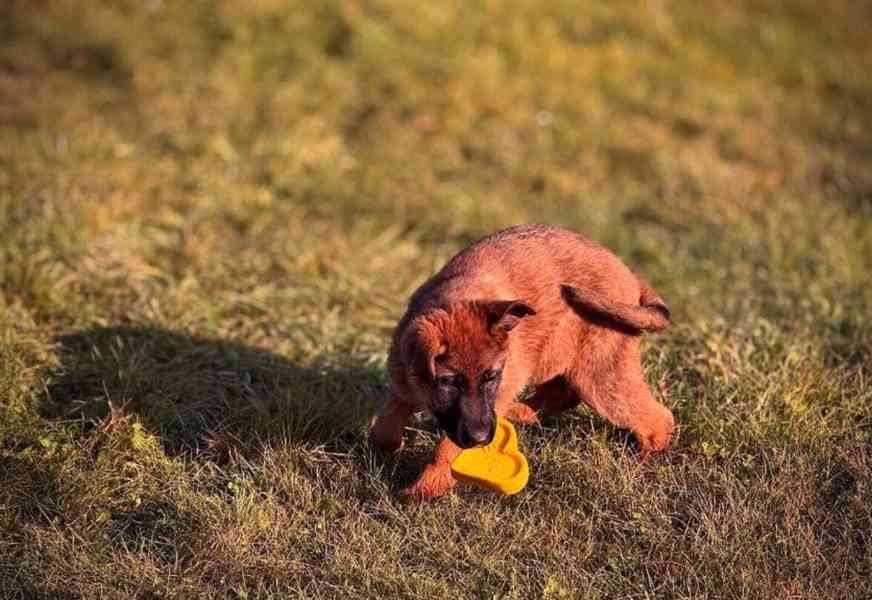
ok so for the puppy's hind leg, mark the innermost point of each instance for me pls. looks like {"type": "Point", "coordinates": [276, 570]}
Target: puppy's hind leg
{"type": "Point", "coordinates": [554, 395]}
{"type": "Point", "coordinates": [507, 405]}
{"type": "Point", "coordinates": [649, 420]}
{"type": "Point", "coordinates": [622, 396]}
{"type": "Point", "coordinates": [387, 431]}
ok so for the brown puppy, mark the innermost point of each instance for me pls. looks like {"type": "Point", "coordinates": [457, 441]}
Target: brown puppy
{"type": "Point", "coordinates": [529, 305]}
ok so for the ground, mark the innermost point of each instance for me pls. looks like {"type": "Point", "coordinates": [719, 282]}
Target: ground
{"type": "Point", "coordinates": [212, 215]}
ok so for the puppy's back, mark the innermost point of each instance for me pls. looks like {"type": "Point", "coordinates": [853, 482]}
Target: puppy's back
{"type": "Point", "coordinates": [530, 263]}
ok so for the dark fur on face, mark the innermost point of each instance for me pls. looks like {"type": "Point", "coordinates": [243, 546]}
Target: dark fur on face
{"type": "Point", "coordinates": [459, 358]}
{"type": "Point", "coordinates": [464, 405]}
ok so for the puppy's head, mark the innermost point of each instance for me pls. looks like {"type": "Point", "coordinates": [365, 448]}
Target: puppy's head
{"type": "Point", "coordinates": [455, 358]}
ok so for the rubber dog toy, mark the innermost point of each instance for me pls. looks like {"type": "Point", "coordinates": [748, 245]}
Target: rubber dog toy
{"type": "Point", "coordinates": [499, 466]}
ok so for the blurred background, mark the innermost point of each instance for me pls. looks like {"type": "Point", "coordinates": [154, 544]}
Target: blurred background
{"type": "Point", "coordinates": [212, 215]}
{"type": "Point", "coordinates": [281, 154]}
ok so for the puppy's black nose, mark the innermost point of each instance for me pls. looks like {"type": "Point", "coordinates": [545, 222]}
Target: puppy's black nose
{"type": "Point", "coordinates": [477, 437]}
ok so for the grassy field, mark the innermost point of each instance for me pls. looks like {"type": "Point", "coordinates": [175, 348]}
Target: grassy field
{"type": "Point", "coordinates": [212, 214]}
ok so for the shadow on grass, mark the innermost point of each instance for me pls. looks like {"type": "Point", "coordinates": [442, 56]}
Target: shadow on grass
{"type": "Point", "coordinates": [209, 395]}
{"type": "Point", "coordinates": [27, 501]}
{"type": "Point", "coordinates": [211, 398]}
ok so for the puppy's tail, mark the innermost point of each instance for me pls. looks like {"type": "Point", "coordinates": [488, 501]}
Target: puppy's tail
{"type": "Point", "coordinates": [651, 314]}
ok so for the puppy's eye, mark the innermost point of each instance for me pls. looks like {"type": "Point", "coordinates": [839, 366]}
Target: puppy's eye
{"type": "Point", "coordinates": [490, 376]}
{"type": "Point", "coordinates": [446, 381]}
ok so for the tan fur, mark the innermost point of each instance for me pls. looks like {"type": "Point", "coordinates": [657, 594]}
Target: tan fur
{"type": "Point", "coordinates": [573, 331]}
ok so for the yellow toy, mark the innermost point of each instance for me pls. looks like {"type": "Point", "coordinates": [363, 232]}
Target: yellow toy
{"type": "Point", "coordinates": [499, 466]}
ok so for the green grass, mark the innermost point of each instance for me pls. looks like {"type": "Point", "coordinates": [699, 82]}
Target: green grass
{"type": "Point", "coordinates": [212, 215]}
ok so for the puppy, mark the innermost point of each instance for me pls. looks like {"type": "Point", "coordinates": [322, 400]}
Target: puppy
{"type": "Point", "coordinates": [530, 305]}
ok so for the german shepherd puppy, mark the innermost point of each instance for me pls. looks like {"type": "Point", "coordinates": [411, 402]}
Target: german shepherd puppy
{"type": "Point", "coordinates": [530, 305]}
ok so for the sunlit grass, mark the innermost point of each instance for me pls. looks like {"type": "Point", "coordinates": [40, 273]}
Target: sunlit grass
{"type": "Point", "coordinates": [212, 215]}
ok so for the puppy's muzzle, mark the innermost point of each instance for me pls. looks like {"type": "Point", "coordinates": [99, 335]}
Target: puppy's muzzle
{"type": "Point", "coordinates": [476, 436]}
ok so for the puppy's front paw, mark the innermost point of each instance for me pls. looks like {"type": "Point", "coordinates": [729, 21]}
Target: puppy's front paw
{"type": "Point", "coordinates": [433, 482]}
{"type": "Point", "coordinates": [387, 429]}
{"type": "Point", "coordinates": [389, 444]}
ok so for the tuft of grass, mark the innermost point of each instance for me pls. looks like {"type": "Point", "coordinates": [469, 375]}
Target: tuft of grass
{"type": "Point", "coordinates": [212, 215]}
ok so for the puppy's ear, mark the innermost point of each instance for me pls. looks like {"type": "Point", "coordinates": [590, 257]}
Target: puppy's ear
{"type": "Point", "coordinates": [422, 343]}
{"type": "Point", "coordinates": [504, 315]}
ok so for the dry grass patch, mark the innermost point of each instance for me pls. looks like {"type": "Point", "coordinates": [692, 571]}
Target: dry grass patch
{"type": "Point", "coordinates": [212, 215]}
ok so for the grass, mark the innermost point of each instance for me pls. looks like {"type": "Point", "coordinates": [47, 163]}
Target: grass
{"type": "Point", "coordinates": [212, 215]}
